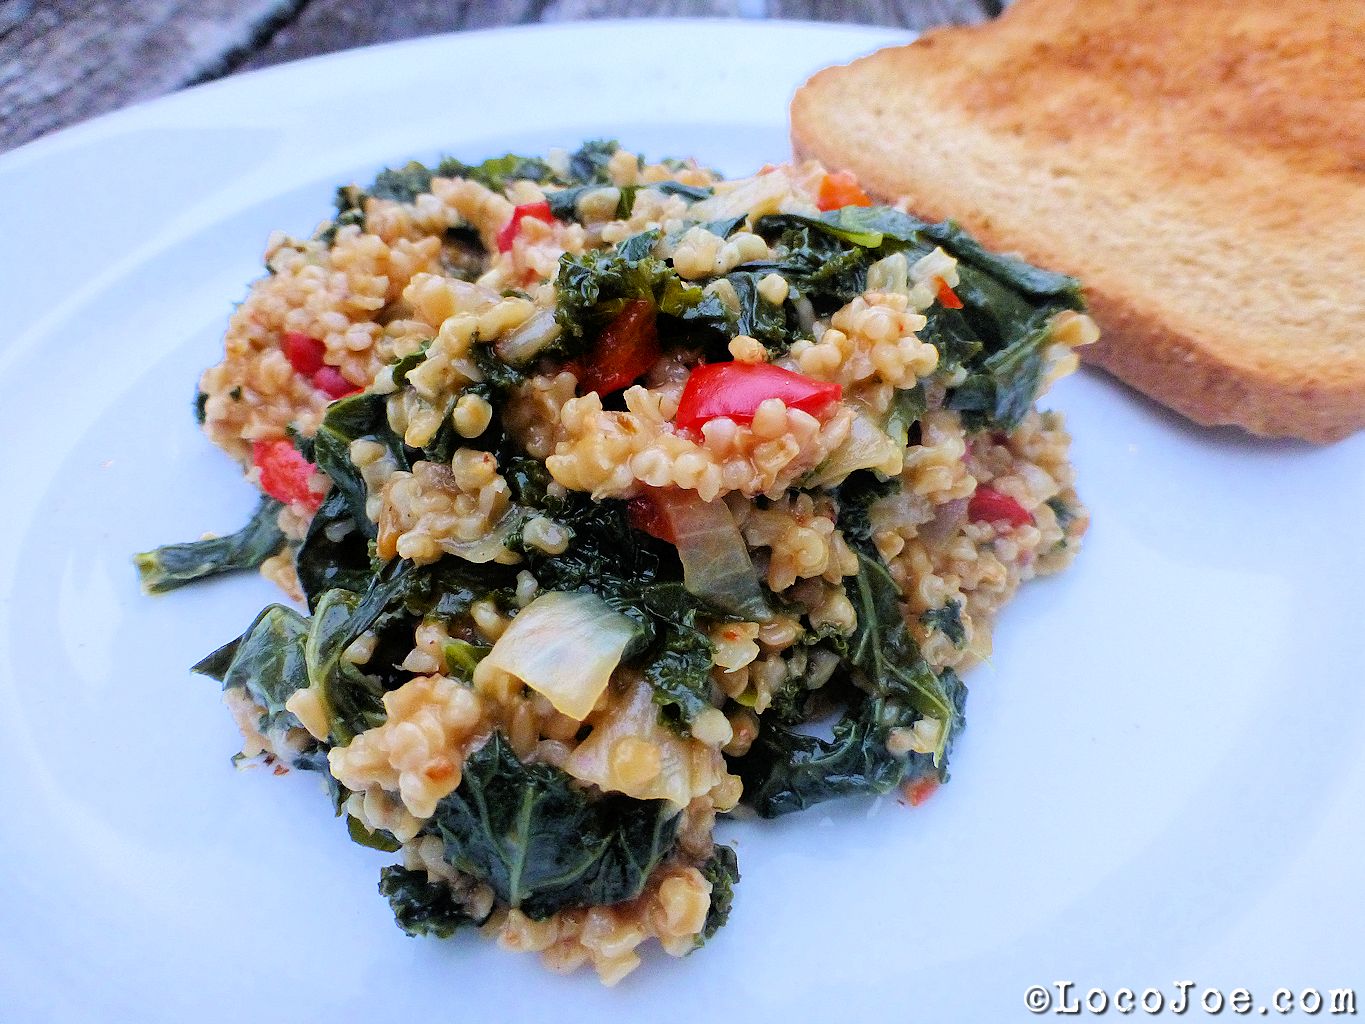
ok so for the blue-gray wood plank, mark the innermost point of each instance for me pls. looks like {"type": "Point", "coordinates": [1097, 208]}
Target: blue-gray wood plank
{"type": "Point", "coordinates": [62, 61]}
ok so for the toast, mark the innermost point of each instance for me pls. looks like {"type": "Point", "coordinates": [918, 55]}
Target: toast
{"type": "Point", "coordinates": [1199, 164]}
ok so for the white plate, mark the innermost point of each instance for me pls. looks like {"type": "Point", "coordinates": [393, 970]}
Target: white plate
{"type": "Point", "coordinates": [1164, 769]}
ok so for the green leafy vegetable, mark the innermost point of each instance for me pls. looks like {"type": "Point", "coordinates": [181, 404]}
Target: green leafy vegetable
{"type": "Point", "coordinates": [404, 184]}
{"type": "Point", "coordinates": [175, 565]}
{"type": "Point", "coordinates": [786, 771]}
{"type": "Point", "coordinates": [1065, 516]}
{"type": "Point", "coordinates": [541, 843]}
{"type": "Point", "coordinates": [363, 416]}
{"type": "Point", "coordinates": [335, 553]}
{"type": "Point", "coordinates": [421, 906]}
{"type": "Point", "coordinates": [883, 648]}
{"type": "Point", "coordinates": [1004, 385]}
{"type": "Point", "coordinates": [948, 621]}
{"type": "Point", "coordinates": [722, 871]}
{"type": "Point", "coordinates": [589, 162]}
{"type": "Point", "coordinates": [564, 202]}
{"type": "Point", "coordinates": [267, 661]}
{"type": "Point", "coordinates": [375, 839]}
{"type": "Point", "coordinates": [640, 578]}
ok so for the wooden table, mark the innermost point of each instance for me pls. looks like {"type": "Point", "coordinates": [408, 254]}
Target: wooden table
{"type": "Point", "coordinates": [62, 61]}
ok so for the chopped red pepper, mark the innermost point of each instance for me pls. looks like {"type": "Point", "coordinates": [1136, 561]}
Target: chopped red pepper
{"type": "Point", "coordinates": [838, 189]}
{"type": "Point", "coordinates": [536, 211]}
{"type": "Point", "coordinates": [644, 515]}
{"type": "Point", "coordinates": [329, 381]}
{"type": "Point", "coordinates": [946, 296]}
{"type": "Point", "coordinates": [284, 473]}
{"type": "Point", "coordinates": [625, 350]}
{"type": "Point", "coordinates": [303, 352]}
{"type": "Point", "coordinates": [920, 790]}
{"type": "Point", "coordinates": [990, 506]}
{"type": "Point", "coordinates": [736, 390]}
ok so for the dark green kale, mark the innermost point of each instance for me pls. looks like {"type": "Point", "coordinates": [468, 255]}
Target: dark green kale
{"type": "Point", "coordinates": [375, 839]}
{"type": "Point", "coordinates": [421, 906]}
{"type": "Point", "coordinates": [888, 684]}
{"type": "Point", "coordinates": [1003, 386]}
{"type": "Point", "coordinates": [175, 565]}
{"type": "Point", "coordinates": [564, 202]}
{"type": "Point", "coordinates": [353, 699]}
{"type": "Point", "coordinates": [641, 578]}
{"type": "Point", "coordinates": [785, 771]}
{"type": "Point", "coordinates": [588, 164]}
{"type": "Point", "coordinates": [722, 871]}
{"type": "Point", "coordinates": [403, 184]}
{"type": "Point", "coordinates": [908, 406]}
{"type": "Point", "coordinates": [999, 333]}
{"type": "Point", "coordinates": [772, 324]}
{"type": "Point", "coordinates": [267, 661]}
{"type": "Point", "coordinates": [498, 377]}
{"type": "Point", "coordinates": [541, 842]}
{"type": "Point", "coordinates": [948, 621]}
{"type": "Point", "coordinates": [350, 209]}
{"type": "Point", "coordinates": [1008, 270]}
{"type": "Point", "coordinates": [1065, 515]}
{"type": "Point", "coordinates": [335, 553]}
{"type": "Point", "coordinates": [350, 419]}
{"type": "Point", "coordinates": [883, 649]}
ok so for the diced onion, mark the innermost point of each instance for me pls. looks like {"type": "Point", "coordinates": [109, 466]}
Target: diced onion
{"type": "Point", "coordinates": [488, 547]}
{"type": "Point", "coordinates": [522, 345]}
{"type": "Point", "coordinates": [687, 767]}
{"type": "Point", "coordinates": [716, 563]}
{"type": "Point", "coordinates": [867, 446]}
{"type": "Point", "coordinates": [565, 647]}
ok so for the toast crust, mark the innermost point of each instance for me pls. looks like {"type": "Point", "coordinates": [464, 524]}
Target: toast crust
{"type": "Point", "coordinates": [1199, 165]}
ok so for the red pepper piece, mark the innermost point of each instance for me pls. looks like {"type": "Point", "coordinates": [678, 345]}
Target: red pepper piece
{"type": "Point", "coordinates": [990, 506]}
{"type": "Point", "coordinates": [329, 381]}
{"type": "Point", "coordinates": [303, 352]}
{"type": "Point", "coordinates": [736, 390]}
{"type": "Point", "coordinates": [284, 473]}
{"type": "Point", "coordinates": [920, 790]}
{"type": "Point", "coordinates": [626, 349]}
{"type": "Point", "coordinates": [644, 515]}
{"type": "Point", "coordinates": [947, 298]}
{"type": "Point", "coordinates": [537, 211]}
{"type": "Point", "coordinates": [839, 189]}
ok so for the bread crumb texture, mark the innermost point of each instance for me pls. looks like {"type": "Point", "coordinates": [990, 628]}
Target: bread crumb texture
{"type": "Point", "coordinates": [1199, 164]}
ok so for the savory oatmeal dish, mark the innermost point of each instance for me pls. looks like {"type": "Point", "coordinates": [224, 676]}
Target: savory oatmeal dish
{"type": "Point", "coordinates": [612, 496]}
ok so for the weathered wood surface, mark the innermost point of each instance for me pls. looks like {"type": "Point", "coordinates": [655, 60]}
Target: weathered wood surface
{"type": "Point", "coordinates": [62, 61]}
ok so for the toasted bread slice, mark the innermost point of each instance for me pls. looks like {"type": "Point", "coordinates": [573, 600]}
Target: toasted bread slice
{"type": "Point", "coordinates": [1199, 164]}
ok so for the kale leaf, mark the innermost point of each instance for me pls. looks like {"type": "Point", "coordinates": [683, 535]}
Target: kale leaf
{"type": "Point", "coordinates": [564, 202]}
{"type": "Point", "coordinates": [948, 621]}
{"type": "Point", "coordinates": [176, 565]}
{"type": "Point", "coordinates": [999, 333]}
{"type": "Point", "coordinates": [891, 686]}
{"type": "Point", "coordinates": [884, 650]}
{"type": "Point", "coordinates": [350, 419]}
{"type": "Point", "coordinates": [639, 577]}
{"type": "Point", "coordinates": [374, 839]}
{"type": "Point", "coordinates": [785, 771]}
{"type": "Point", "coordinates": [1002, 387]}
{"type": "Point", "coordinates": [722, 871]}
{"type": "Point", "coordinates": [543, 844]}
{"type": "Point", "coordinates": [335, 553]}
{"type": "Point", "coordinates": [421, 906]}
{"type": "Point", "coordinates": [404, 184]}
{"type": "Point", "coordinates": [267, 661]}
{"type": "Point", "coordinates": [354, 700]}
{"type": "Point", "coordinates": [589, 162]}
